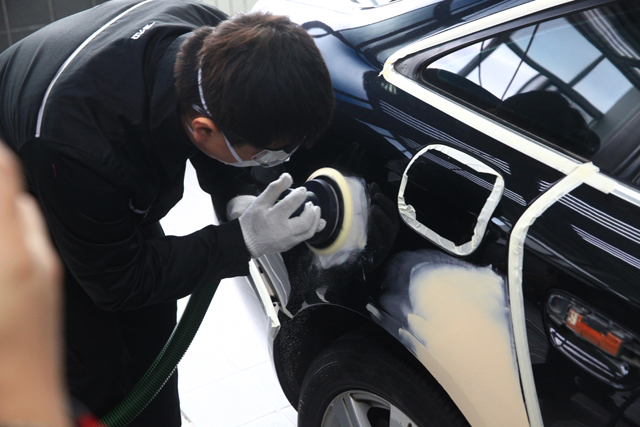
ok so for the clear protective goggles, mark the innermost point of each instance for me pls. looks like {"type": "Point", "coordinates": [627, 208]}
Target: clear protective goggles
{"type": "Point", "coordinates": [265, 158]}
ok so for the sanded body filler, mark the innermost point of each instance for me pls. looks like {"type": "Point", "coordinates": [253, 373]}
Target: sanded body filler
{"type": "Point", "coordinates": [458, 325]}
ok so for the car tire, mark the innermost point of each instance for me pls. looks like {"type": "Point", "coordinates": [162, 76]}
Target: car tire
{"type": "Point", "coordinates": [364, 380]}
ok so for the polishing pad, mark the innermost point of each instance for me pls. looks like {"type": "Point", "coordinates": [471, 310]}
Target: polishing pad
{"type": "Point", "coordinates": [339, 218]}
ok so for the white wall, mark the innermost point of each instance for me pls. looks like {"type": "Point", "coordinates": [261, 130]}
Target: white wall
{"type": "Point", "coordinates": [232, 6]}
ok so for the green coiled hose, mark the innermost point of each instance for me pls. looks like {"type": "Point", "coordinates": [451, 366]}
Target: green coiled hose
{"type": "Point", "coordinates": [165, 364]}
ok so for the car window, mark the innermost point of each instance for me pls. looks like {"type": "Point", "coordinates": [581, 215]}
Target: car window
{"type": "Point", "coordinates": [572, 81]}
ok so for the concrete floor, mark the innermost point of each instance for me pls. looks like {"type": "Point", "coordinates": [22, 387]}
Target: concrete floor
{"type": "Point", "coordinates": [226, 378]}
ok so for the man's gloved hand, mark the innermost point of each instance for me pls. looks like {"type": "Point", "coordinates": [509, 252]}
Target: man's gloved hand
{"type": "Point", "coordinates": [238, 205]}
{"type": "Point", "coordinates": [267, 226]}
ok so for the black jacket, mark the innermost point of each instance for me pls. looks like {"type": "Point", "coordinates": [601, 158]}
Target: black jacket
{"type": "Point", "coordinates": [89, 105]}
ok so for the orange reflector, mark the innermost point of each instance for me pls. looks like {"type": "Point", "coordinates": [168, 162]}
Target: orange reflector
{"type": "Point", "coordinates": [607, 342]}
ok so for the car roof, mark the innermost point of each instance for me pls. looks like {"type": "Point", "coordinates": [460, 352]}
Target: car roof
{"type": "Point", "coordinates": [376, 33]}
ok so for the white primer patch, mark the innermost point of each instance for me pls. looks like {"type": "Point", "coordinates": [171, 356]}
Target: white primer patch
{"type": "Point", "coordinates": [459, 327]}
{"type": "Point", "coordinates": [356, 238]}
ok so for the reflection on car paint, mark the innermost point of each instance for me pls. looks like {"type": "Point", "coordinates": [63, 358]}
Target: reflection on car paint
{"type": "Point", "coordinates": [389, 137]}
{"type": "Point", "coordinates": [602, 218]}
{"type": "Point", "coordinates": [439, 135]}
{"type": "Point", "coordinates": [458, 325]}
{"type": "Point", "coordinates": [629, 259]}
{"type": "Point", "coordinates": [593, 340]}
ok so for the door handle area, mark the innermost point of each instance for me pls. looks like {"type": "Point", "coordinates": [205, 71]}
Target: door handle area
{"type": "Point", "coordinates": [593, 341]}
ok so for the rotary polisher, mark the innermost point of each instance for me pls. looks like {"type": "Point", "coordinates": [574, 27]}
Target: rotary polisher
{"type": "Point", "coordinates": [328, 189]}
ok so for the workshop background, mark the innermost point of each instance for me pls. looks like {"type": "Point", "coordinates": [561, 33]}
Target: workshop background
{"type": "Point", "coordinates": [226, 378]}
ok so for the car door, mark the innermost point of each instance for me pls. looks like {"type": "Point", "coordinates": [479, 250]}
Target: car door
{"type": "Point", "coordinates": [553, 94]}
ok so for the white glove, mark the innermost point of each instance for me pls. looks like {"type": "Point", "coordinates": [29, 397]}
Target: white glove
{"type": "Point", "coordinates": [238, 205]}
{"type": "Point", "coordinates": [266, 225]}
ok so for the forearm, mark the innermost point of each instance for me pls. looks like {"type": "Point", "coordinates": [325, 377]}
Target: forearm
{"type": "Point", "coordinates": [166, 269]}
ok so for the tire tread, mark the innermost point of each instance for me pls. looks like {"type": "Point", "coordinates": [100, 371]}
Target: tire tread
{"type": "Point", "coordinates": [369, 345]}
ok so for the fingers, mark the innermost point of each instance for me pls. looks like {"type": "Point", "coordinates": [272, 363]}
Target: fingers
{"type": "Point", "coordinates": [287, 206]}
{"type": "Point", "coordinates": [270, 195]}
{"type": "Point", "coordinates": [306, 225]}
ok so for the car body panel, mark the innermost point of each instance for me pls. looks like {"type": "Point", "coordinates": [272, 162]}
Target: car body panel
{"type": "Point", "coordinates": [561, 227]}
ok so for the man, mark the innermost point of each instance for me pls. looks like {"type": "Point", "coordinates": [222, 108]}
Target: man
{"type": "Point", "coordinates": [104, 108]}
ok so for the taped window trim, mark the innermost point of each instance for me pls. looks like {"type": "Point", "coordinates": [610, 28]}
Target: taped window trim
{"type": "Point", "coordinates": [519, 142]}
{"type": "Point", "coordinates": [580, 175]}
{"type": "Point", "coordinates": [495, 130]}
{"type": "Point", "coordinates": [408, 212]}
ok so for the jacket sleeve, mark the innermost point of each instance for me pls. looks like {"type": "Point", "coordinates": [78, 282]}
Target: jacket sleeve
{"type": "Point", "coordinates": [100, 240]}
{"type": "Point", "coordinates": [236, 181]}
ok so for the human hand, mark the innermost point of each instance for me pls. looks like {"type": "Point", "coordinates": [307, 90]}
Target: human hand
{"type": "Point", "coordinates": [31, 390]}
{"type": "Point", "coordinates": [267, 226]}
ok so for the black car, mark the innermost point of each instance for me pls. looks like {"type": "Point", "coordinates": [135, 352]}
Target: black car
{"type": "Point", "coordinates": [504, 287]}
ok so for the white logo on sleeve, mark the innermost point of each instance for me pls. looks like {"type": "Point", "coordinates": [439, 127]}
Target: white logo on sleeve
{"type": "Point", "coordinates": [141, 31]}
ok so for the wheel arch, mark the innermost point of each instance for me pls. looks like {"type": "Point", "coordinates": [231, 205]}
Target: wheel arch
{"type": "Point", "coordinates": [310, 331]}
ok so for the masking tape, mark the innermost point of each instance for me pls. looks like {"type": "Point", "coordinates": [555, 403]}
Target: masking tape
{"type": "Point", "coordinates": [578, 176]}
{"type": "Point", "coordinates": [408, 213]}
{"type": "Point", "coordinates": [485, 125]}
{"type": "Point", "coordinates": [265, 298]}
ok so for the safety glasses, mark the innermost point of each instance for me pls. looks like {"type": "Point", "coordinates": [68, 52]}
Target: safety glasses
{"type": "Point", "coordinates": [265, 158]}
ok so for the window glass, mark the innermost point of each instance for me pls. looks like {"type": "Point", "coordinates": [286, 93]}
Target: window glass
{"type": "Point", "coordinates": [573, 82]}
{"type": "Point", "coordinates": [560, 48]}
{"type": "Point", "coordinates": [604, 86]}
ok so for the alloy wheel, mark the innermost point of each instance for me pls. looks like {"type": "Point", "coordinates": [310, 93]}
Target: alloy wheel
{"type": "Point", "coordinates": [356, 408]}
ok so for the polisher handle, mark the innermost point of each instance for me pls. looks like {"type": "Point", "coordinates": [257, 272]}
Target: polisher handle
{"type": "Point", "coordinates": [311, 197]}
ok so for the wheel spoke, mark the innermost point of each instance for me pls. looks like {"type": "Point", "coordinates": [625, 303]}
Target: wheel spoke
{"type": "Point", "coordinates": [399, 419]}
{"type": "Point", "coordinates": [349, 412]}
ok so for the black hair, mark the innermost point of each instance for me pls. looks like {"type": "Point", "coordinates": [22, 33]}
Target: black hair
{"type": "Point", "coordinates": [264, 80]}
